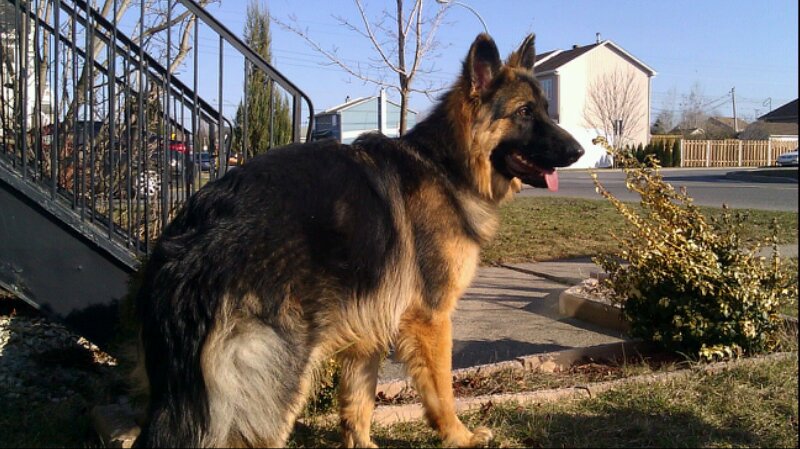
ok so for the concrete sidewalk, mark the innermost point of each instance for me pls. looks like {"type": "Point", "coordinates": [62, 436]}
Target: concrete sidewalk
{"type": "Point", "coordinates": [508, 312]}
{"type": "Point", "coordinates": [512, 311]}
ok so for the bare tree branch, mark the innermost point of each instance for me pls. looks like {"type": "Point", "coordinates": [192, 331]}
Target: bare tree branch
{"type": "Point", "coordinates": [372, 38]}
{"type": "Point", "coordinates": [388, 59]}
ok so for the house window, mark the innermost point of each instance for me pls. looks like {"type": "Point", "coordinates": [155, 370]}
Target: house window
{"type": "Point", "coordinates": [547, 87]}
{"type": "Point", "coordinates": [549, 93]}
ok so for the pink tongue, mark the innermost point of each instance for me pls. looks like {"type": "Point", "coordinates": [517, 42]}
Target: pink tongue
{"type": "Point", "coordinates": [552, 181]}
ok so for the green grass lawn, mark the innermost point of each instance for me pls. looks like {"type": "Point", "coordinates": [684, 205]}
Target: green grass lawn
{"type": "Point", "coordinates": [748, 406]}
{"type": "Point", "coordinates": [540, 229]}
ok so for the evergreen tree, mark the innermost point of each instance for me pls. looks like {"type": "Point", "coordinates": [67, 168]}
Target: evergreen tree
{"type": "Point", "coordinates": [667, 162]}
{"type": "Point", "coordinates": [640, 152]}
{"type": "Point", "coordinates": [659, 151]}
{"type": "Point", "coordinates": [676, 153]}
{"type": "Point", "coordinates": [658, 127]}
{"type": "Point", "coordinates": [268, 111]}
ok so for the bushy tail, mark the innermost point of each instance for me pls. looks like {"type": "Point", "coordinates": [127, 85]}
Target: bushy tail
{"type": "Point", "coordinates": [174, 321]}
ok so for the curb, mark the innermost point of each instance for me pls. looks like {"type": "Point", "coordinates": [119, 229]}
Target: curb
{"type": "Point", "coordinates": [755, 177]}
{"type": "Point", "coordinates": [393, 414]}
{"type": "Point", "coordinates": [597, 311]}
{"type": "Point", "coordinates": [550, 362]}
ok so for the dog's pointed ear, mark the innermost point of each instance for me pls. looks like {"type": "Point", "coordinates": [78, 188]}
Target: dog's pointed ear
{"type": "Point", "coordinates": [482, 64]}
{"type": "Point", "coordinates": [525, 56]}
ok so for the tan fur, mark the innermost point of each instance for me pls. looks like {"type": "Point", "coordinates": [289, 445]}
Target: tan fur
{"type": "Point", "coordinates": [425, 346]}
{"type": "Point", "coordinates": [358, 380]}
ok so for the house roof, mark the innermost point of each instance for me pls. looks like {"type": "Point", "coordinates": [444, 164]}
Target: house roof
{"type": "Point", "coordinates": [780, 129]}
{"type": "Point", "coordinates": [787, 112]}
{"type": "Point", "coordinates": [558, 58]}
{"type": "Point", "coordinates": [541, 57]}
{"type": "Point", "coordinates": [552, 60]}
{"type": "Point", "coordinates": [356, 102]}
{"type": "Point", "coordinates": [347, 105]}
{"type": "Point", "coordinates": [728, 122]}
{"type": "Point", "coordinates": [687, 131]}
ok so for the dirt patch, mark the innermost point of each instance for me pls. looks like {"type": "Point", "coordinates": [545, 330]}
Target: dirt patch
{"type": "Point", "coordinates": [584, 371]}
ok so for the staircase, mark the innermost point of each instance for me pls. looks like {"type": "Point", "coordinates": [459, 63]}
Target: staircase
{"type": "Point", "coordinates": [101, 144]}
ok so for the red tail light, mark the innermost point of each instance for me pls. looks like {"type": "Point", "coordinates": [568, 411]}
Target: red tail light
{"type": "Point", "coordinates": [180, 147]}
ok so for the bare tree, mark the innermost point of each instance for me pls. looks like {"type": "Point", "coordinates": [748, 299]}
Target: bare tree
{"type": "Point", "coordinates": [614, 106]}
{"type": "Point", "coordinates": [693, 111]}
{"type": "Point", "coordinates": [401, 42]}
{"type": "Point", "coordinates": [159, 20]}
{"type": "Point", "coordinates": [666, 119]}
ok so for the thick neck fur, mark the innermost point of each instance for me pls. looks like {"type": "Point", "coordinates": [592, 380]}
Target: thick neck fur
{"type": "Point", "coordinates": [450, 138]}
{"type": "Point", "coordinates": [446, 137]}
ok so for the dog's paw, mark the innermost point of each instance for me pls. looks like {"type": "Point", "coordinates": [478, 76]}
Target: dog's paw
{"type": "Point", "coordinates": [352, 442]}
{"type": "Point", "coordinates": [480, 437]}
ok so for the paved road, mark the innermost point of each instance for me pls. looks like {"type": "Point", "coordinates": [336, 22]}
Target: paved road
{"type": "Point", "coordinates": [708, 187]}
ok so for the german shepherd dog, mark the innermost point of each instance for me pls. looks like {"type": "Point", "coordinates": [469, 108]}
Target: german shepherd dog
{"type": "Point", "coordinates": [322, 250]}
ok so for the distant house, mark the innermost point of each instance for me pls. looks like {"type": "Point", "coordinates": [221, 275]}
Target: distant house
{"type": "Point", "coordinates": [778, 124]}
{"type": "Point", "coordinates": [762, 130]}
{"type": "Point", "coordinates": [784, 114]}
{"type": "Point", "coordinates": [347, 121]}
{"type": "Point", "coordinates": [724, 127]}
{"type": "Point", "coordinates": [695, 133]}
{"type": "Point", "coordinates": [573, 82]}
{"type": "Point", "coordinates": [714, 128]}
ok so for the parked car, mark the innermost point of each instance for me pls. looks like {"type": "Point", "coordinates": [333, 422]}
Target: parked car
{"type": "Point", "coordinates": [788, 159]}
{"type": "Point", "coordinates": [203, 160]}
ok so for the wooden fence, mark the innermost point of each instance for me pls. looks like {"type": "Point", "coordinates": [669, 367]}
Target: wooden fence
{"type": "Point", "coordinates": [733, 153]}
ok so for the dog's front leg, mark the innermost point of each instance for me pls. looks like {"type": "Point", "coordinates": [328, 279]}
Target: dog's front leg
{"type": "Point", "coordinates": [425, 346]}
{"type": "Point", "coordinates": [359, 376]}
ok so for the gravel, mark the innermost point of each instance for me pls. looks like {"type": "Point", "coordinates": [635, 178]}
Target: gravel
{"type": "Point", "coordinates": [42, 361]}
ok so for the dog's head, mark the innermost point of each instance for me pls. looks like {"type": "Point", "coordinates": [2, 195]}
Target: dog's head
{"type": "Point", "coordinates": [511, 129]}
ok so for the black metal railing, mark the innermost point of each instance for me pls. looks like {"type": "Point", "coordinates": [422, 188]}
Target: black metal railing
{"type": "Point", "coordinates": [105, 113]}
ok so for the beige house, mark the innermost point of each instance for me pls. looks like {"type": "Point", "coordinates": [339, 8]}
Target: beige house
{"type": "Point", "coordinates": [597, 90]}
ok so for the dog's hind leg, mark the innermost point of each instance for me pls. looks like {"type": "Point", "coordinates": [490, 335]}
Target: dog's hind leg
{"type": "Point", "coordinates": [425, 346]}
{"type": "Point", "coordinates": [359, 377]}
{"type": "Point", "coordinates": [258, 379]}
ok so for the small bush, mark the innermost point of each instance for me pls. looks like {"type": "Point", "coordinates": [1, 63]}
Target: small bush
{"type": "Point", "coordinates": [688, 284]}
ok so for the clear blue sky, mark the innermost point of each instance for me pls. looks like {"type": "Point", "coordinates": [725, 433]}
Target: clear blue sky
{"type": "Point", "coordinates": [752, 45]}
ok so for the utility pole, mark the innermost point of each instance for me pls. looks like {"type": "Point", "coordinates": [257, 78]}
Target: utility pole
{"type": "Point", "coordinates": [733, 98]}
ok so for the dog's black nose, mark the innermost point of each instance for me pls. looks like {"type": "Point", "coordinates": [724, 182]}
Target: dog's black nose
{"type": "Point", "coordinates": [575, 153]}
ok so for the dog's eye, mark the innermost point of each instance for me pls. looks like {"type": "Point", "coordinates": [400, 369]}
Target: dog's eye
{"type": "Point", "coordinates": [525, 111]}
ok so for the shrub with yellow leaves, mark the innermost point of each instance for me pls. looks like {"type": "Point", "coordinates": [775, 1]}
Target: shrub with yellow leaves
{"type": "Point", "coordinates": [686, 283]}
